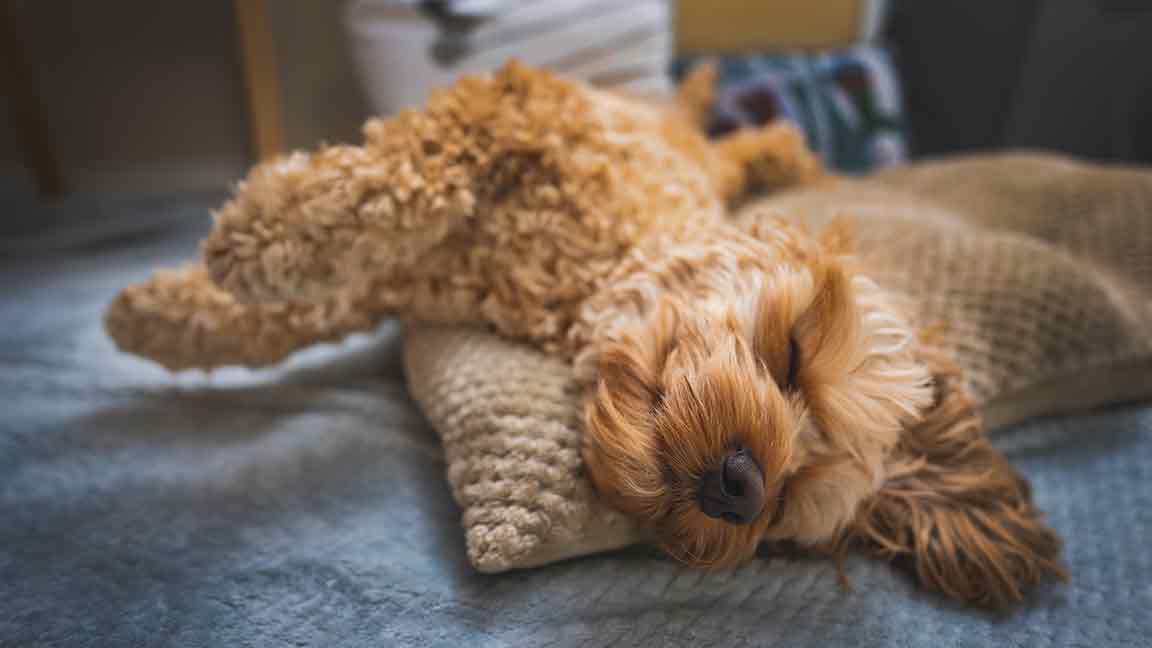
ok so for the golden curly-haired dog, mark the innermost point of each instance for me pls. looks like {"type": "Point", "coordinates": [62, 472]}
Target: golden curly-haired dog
{"type": "Point", "coordinates": [744, 384]}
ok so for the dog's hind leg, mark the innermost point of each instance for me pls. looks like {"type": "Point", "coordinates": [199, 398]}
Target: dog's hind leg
{"type": "Point", "coordinates": [773, 157]}
{"type": "Point", "coordinates": [309, 224]}
{"type": "Point", "coordinates": [695, 95]}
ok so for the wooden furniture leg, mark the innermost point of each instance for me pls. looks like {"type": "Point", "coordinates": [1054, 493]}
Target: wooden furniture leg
{"type": "Point", "coordinates": [18, 80]}
{"type": "Point", "coordinates": [258, 51]}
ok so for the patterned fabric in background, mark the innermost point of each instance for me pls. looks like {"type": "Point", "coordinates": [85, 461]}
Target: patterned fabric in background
{"type": "Point", "coordinates": [848, 102]}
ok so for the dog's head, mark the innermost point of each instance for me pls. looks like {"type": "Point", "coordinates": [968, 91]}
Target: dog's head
{"type": "Point", "coordinates": [753, 394]}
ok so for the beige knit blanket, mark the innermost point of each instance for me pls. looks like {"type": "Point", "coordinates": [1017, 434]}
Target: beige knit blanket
{"type": "Point", "coordinates": [1037, 271]}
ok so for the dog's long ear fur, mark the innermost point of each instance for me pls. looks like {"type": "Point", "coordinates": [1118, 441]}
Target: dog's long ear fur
{"type": "Point", "coordinates": [956, 510]}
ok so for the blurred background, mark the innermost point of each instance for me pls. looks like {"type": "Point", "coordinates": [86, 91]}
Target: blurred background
{"type": "Point", "coordinates": [112, 106]}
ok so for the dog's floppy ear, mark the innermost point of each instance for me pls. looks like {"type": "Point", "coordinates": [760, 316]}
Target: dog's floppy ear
{"type": "Point", "coordinates": [956, 511]}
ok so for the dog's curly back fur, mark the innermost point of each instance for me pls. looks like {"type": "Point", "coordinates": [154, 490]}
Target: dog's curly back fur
{"type": "Point", "coordinates": [566, 179]}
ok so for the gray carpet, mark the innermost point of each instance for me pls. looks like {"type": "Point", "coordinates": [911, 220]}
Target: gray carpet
{"type": "Point", "coordinates": [308, 507]}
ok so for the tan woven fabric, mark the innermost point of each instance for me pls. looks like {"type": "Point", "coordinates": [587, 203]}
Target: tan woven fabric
{"type": "Point", "coordinates": [509, 418]}
{"type": "Point", "coordinates": [1036, 269]}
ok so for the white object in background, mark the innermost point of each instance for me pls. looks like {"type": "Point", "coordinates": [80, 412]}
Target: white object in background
{"type": "Point", "coordinates": [624, 45]}
{"type": "Point", "coordinates": [872, 21]}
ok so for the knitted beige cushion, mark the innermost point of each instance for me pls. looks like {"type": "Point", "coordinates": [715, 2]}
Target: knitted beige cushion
{"type": "Point", "coordinates": [1037, 271]}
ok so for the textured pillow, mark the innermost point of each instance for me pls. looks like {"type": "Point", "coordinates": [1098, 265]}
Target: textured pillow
{"type": "Point", "coordinates": [1034, 272]}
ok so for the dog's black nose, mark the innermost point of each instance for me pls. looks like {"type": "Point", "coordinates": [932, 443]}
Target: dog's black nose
{"type": "Point", "coordinates": [734, 492]}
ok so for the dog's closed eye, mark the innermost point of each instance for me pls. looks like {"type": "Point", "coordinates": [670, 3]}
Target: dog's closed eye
{"type": "Point", "coordinates": [782, 356]}
{"type": "Point", "coordinates": [793, 365]}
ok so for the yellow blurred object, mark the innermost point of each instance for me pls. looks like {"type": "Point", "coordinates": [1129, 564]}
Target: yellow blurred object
{"type": "Point", "coordinates": [741, 25]}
